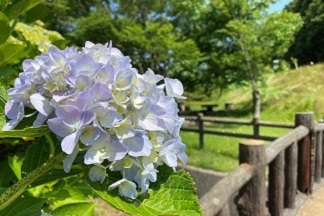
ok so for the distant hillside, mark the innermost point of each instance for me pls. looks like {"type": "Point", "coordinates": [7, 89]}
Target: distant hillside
{"type": "Point", "coordinates": [287, 93]}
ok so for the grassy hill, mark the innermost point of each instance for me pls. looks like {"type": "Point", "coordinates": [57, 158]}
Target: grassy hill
{"type": "Point", "coordinates": [286, 93]}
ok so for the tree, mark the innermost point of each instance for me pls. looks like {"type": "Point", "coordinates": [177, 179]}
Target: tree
{"type": "Point", "coordinates": [141, 29]}
{"type": "Point", "coordinates": [251, 41]}
{"type": "Point", "coordinates": [309, 41]}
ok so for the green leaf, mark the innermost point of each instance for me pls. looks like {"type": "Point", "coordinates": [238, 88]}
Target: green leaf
{"type": "Point", "coordinates": [7, 176]}
{"type": "Point", "coordinates": [15, 163]}
{"type": "Point", "coordinates": [5, 28]}
{"type": "Point", "coordinates": [63, 194]}
{"type": "Point", "coordinates": [55, 174]}
{"type": "Point", "coordinates": [77, 209]}
{"type": "Point", "coordinates": [39, 12]}
{"type": "Point", "coordinates": [24, 206]}
{"type": "Point", "coordinates": [28, 132]}
{"type": "Point", "coordinates": [2, 189]}
{"type": "Point", "coordinates": [3, 100]}
{"type": "Point", "coordinates": [11, 53]}
{"type": "Point", "coordinates": [7, 75]}
{"type": "Point", "coordinates": [3, 96]}
{"type": "Point", "coordinates": [37, 154]}
{"type": "Point", "coordinates": [173, 194]}
{"type": "Point", "coordinates": [20, 7]}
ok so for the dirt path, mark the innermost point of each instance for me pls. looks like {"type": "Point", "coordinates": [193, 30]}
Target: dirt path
{"type": "Point", "coordinates": [314, 206]}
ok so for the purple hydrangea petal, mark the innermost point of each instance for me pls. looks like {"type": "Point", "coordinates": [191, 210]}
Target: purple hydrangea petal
{"type": "Point", "coordinates": [15, 112]}
{"type": "Point", "coordinates": [93, 156]}
{"type": "Point", "coordinates": [139, 145]}
{"type": "Point", "coordinates": [170, 159]}
{"type": "Point", "coordinates": [89, 135]}
{"type": "Point", "coordinates": [69, 114]}
{"type": "Point", "coordinates": [84, 65]}
{"type": "Point", "coordinates": [83, 82]}
{"type": "Point", "coordinates": [183, 157]}
{"type": "Point", "coordinates": [124, 129]}
{"type": "Point", "coordinates": [13, 109]}
{"type": "Point", "coordinates": [117, 150]}
{"type": "Point", "coordinates": [58, 126]}
{"type": "Point", "coordinates": [107, 117]}
{"type": "Point", "coordinates": [41, 104]}
{"type": "Point", "coordinates": [97, 174]}
{"type": "Point", "coordinates": [11, 124]}
{"type": "Point", "coordinates": [69, 142]}
{"type": "Point", "coordinates": [152, 122]}
{"type": "Point", "coordinates": [174, 88]}
{"type": "Point", "coordinates": [68, 160]}
{"type": "Point", "coordinates": [125, 188]}
{"type": "Point", "coordinates": [40, 119]}
{"type": "Point", "coordinates": [87, 117]}
{"type": "Point", "coordinates": [100, 92]}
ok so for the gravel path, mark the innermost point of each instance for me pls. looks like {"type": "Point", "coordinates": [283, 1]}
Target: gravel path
{"type": "Point", "coordinates": [314, 206]}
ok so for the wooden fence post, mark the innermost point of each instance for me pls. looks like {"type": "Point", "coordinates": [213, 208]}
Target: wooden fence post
{"type": "Point", "coordinates": [291, 159]}
{"type": "Point", "coordinates": [305, 155]}
{"type": "Point", "coordinates": [318, 157]}
{"type": "Point", "coordinates": [201, 129]}
{"type": "Point", "coordinates": [252, 197]}
{"type": "Point", "coordinates": [276, 185]}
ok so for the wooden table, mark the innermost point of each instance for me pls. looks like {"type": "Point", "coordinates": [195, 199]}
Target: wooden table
{"type": "Point", "coordinates": [209, 107]}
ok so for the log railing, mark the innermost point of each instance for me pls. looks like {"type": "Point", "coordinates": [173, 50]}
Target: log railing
{"type": "Point", "coordinates": [200, 119]}
{"type": "Point", "coordinates": [294, 163]}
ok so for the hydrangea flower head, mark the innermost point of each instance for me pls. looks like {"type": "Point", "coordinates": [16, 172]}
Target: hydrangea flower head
{"type": "Point", "coordinates": [95, 101]}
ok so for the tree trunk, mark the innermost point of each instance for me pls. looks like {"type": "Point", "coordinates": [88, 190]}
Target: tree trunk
{"type": "Point", "coordinates": [256, 103]}
{"type": "Point", "coordinates": [256, 112]}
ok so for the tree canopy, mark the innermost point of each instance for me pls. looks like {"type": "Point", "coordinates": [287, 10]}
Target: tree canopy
{"type": "Point", "coordinates": [308, 44]}
{"type": "Point", "coordinates": [197, 41]}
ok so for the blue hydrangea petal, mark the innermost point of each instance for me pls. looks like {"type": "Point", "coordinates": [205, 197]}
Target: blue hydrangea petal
{"type": "Point", "coordinates": [93, 156]}
{"type": "Point", "coordinates": [12, 109]}
{"type": "Point", "coordinates": [107, 117]}
{"type": "Point", "coordinates": [89, 135]}
{"type": "Point", "coordinates": [139, 145]}
{"type": "Point", "coordinates": [100, 92]}
{"type": "Point", "coordinates": [170, 159]}
{"type": "Point", "coordinates": [58, 126]}
{"type": "Point", "coordinates": [68, 160]}
{"type": "Point", "coordinates": [125, 188]}
{"type": "Point", "coordinates": [84, 65]}
{"type": "Point", "coordinates": [69, 114]}
{"type": "Point", "coordinates": [40, 119]}
{"type": "Point", "coordinates": [69, 142]}
{"type": "Point", "coordinates": [174, 88]}
{"type": "Point", "coordinates": [15, 112]}
{"type": "Point", "coordinates": [117, 150]}
{"type": "Point", "coordinates": [97, 173]}
{"type": "Point", "coordinates": [41, 104]}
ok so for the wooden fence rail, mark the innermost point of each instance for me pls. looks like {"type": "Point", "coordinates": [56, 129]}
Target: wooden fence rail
{"type": "Point", "coordinates": [294, 161]}
{"type": "Point", "coordinates": [200, 119]}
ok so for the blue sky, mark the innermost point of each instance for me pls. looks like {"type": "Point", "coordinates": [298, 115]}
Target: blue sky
{"type": "Point", "coordinates": [279, 5]}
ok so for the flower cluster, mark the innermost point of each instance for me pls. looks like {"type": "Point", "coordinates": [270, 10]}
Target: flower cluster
{"type": "Point", "coordinates": [95, 101]}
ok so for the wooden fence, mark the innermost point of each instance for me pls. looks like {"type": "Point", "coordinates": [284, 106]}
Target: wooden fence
{"type": "Point", "coordinates": [294, 163]}
{"type": "Point", "coordinates": [200, 119]}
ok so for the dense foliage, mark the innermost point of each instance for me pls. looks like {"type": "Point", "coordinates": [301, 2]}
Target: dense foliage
{"type": "Point", "coordinates": [308, 44]}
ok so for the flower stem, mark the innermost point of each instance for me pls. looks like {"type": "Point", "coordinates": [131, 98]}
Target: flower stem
{"type": "Point", "coordinates": [18, 188]}
{"type": "Point", "coordinates": [51, 143]}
